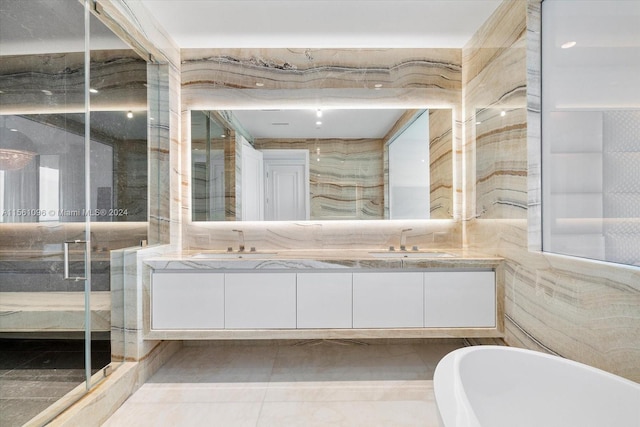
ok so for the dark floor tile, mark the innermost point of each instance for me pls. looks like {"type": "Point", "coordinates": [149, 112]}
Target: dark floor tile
{"type": "Point", "coordinates": [10, 360]}
{"type": "Point", "coordinates": [35, 373]}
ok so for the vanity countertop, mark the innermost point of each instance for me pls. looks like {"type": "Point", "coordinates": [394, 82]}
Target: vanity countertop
{"type": "Point", "coordinates": [323, 259]}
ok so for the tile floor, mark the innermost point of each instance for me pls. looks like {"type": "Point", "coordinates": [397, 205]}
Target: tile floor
{"type": "Point", "coordinates": [315, 383]}
{"type": "Point", "coordinates": [35, 373]}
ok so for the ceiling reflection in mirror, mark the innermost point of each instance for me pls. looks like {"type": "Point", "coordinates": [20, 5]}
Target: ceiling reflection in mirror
{"type": "Point", "coordinates": [321, 164]}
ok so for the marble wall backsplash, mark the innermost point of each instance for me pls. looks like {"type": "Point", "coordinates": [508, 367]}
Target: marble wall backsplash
{"type": "Point", "coordinates": [580, 309]}
{"type": "Point", "coordinates": [339, 235]}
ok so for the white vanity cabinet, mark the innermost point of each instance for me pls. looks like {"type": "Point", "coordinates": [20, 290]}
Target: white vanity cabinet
{"type": "Point", "coordinates": [460, 299]}
{"type": "Point", "coordinates": [314, 304]}
{"type": "Point", "coordinates": [187, 301]}
{"type": "Point", "coordinates": [324, 300]}
{"type": "Point", "coordinates": [388, 300]}
{"type": "Point", "coordinates": [260, 300]}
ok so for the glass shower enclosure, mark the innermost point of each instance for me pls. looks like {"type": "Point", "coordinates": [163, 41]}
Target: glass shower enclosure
{"type": "Point", "coordinates": [73, 187]}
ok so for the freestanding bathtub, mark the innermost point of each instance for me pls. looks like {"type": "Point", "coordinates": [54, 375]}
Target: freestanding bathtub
{"type": "Point", "coordinates": [495, 386]}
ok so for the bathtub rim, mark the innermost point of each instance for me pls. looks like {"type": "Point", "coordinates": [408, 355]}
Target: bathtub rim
{"type": "Point", "coordinates": [447, 382]}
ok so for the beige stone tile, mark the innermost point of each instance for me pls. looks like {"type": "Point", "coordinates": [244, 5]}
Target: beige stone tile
{"type": "Point", "coordinates": [335, 362]}
{"type": "Point", "coordinates": [348, 414]}
{"type": "Point", "coordinates": [337, 391]}
{"type": "Point", "coordinates": [185, 415]}
{"type": "Point", "coordinates": [431, 354]}
{"type": "Point", "coordinates": [224, 364]}
{"type": "Point", "coordinates": [200, 392]}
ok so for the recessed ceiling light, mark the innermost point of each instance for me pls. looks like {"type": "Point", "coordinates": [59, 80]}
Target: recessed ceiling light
{"type": "Point", "coordinates": [223, 136]}
{"type": "Point", "coordinates": [503, 113]}
{"type": "Point", "coordinates": [378, 85]}
{"type": "Point", "coordinates": [568, 45]}
{"type": "Point", "coordinates": [47, 92]}
{"type": "Point", "coordinates": [259, 84]}
{"type": "Point", "coordinates": [92, 90]}
{"type": "Point", "coordinates": [319, 113]}
{"type": "Point", "coordinates": [13, 130]}
{"type": "Point", "coordinates": [130, 115]}
{"type": "Point", "coordinates": [318, 123]}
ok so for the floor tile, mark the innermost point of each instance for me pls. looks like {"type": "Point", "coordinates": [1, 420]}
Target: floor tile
{"type": "Point", "coordinates": [36, 373]}
{"type": "Point", "coordinates": [185, 415]}
{"type": "Point", "coordinates": [348, 414]}
{"type": "Point", "coordinates": [306, 384]}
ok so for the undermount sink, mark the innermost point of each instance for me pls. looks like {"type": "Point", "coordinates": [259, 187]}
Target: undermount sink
{"type": "Point", "coordinates": [411, 254]}
{"type": "Point", "coordinates": [234, 255]}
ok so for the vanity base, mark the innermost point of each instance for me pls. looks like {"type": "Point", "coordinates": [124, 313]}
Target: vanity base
{"type": "Point", "coordinates": [304, 334]}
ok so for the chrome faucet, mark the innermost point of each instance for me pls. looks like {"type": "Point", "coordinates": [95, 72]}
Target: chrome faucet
{"type": "Point", "coordinates": [240, 240]}
{"type": "Point", "coordinates": [403, 238]}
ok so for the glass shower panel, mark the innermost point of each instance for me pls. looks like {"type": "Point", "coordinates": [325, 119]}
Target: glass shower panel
{"type": "Point", "coordinates": [43, 205]}
{"type": "Point", "coordinates": [73, 184]}
{"type": "Point", "coordinates": [118, 178]}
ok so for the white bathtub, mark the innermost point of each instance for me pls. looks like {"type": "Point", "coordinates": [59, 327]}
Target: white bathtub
{"type": "Point", "coordinates": [493, 386]}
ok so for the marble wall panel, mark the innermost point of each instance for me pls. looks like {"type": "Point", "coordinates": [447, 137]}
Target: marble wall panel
{"type": "Point", "coordinates": [130, 280]}
{"type": "Point", "coordinates": [500, 165]}
{"type": "Point", "coordinates": [495, 122]}
{"type": "Point", "coordinates": [583, 310]}
{"type": "Point", "coordinates": [324, 68]}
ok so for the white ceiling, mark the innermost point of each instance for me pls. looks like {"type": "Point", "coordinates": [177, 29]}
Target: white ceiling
{"type": "Point", "coordinates": [321, 23]}
{"type": "Point", "coordinates": [346, 124]}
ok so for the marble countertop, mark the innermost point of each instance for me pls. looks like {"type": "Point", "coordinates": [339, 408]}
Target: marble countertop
{"type": "Point", "coordinates": [323, 259]}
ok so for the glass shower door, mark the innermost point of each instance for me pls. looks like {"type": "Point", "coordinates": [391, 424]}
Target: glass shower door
{"type": "Point", "coordinates": [45, 272]}
{"type": "Point", "coordinates": [73, 183]}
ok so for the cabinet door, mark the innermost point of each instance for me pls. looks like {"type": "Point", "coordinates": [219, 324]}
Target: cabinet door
{"type": "Point", "coordinates": [324, 300]}
{"type": "Point", "coordinates": [187, 301]}
{"type": "Point", "coordinates": [388, 300]}
{"type": "Point", "coordinates": [460, 299]}
{"type": "Point", "coordinates": [260, 300]}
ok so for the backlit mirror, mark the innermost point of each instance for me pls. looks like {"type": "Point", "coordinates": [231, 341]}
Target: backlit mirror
{"type": "Point", "coordinates": [311, 164]}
